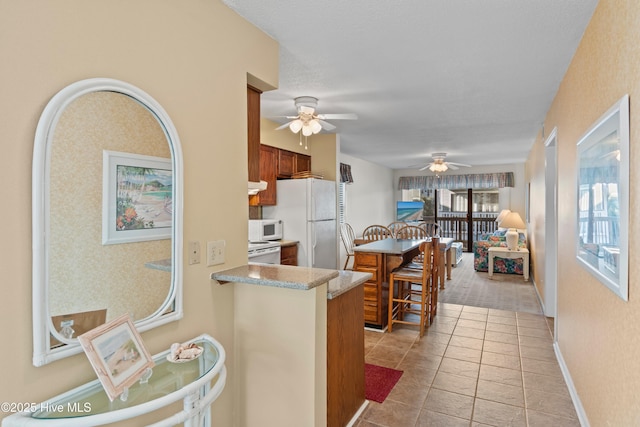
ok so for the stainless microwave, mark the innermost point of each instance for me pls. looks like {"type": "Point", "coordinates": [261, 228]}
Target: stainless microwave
{"type": "Point", "coordinates": [261, 230]}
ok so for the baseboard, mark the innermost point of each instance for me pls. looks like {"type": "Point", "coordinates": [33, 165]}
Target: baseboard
{"type": "Point", "coordinates": [357, 414]}
{"type": "Point", "coordinates": [533, 282]}
{"type": "Point", "coordinates": [582, 416]}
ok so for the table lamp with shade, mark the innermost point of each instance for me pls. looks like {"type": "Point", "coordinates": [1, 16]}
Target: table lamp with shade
{"type": "Point", "coordinates": [513, 222]}
{"type": "Point", "coordinates": [502, 215]}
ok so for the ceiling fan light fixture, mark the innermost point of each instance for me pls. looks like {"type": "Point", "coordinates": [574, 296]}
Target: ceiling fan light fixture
{"type": "Point", "coordinates": [306, 130]}
{"type": "Point", "coordinates": [438, 167]}
{"type": "Point", "coordinates": [295, 125]}
{"type": "Point", "coordinates": [315, 126]}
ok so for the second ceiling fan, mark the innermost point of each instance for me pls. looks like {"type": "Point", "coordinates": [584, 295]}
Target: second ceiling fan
{"type": "Point", "coordinates": [439, 165]}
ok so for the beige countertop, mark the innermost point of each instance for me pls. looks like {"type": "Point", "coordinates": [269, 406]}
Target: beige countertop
{"type": "Point", "coordinates": [291, 277]}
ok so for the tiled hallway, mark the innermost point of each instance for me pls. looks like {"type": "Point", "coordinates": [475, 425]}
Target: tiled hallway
{"type": "Point", "coordinates": [473, 367]}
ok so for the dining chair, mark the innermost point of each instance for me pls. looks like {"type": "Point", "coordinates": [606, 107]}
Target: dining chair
{"type": "Point", "coordinates": [376, 232]}
{"type": "Point", "coordinates": [348, 237]}
{"type": "Point", "coordinates": [395, 226]}
{"type": "Point", "coordinates": [411, 232]}
{"type": "Point", "coordinates": [414, 293]}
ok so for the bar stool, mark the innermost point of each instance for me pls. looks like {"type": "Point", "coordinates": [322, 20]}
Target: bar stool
{"type": "Point", "coordinates": [414, 291]}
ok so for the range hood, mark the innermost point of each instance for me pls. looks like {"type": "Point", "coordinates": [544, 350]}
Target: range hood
{"type": "Point", "coordinates": [256, 187]}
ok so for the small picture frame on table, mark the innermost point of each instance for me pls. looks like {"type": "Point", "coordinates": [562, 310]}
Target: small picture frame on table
{"type": "Point", "coordinates": [117, 354]}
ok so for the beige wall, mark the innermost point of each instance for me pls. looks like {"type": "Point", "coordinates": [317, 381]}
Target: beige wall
{"type": "Point", "coordinates": [598, 333]}
{"type": "Point", "coordinates": [193, 58]}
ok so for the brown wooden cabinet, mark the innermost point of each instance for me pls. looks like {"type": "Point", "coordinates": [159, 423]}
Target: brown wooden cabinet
{"type": "Point", "coordinates": [268, 162]}
{"type": "Point", "coordinates": [376, 291]}
{"type": "Point", "coordinates": [302, 163]}
{"type": "Point", "coordinates": [289, 253]}
{"type": "Point", "coordinates": [290, 162]}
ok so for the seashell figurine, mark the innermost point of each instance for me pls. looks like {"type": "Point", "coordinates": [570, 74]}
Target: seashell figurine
{"type": "Point", "coordinates": [184, 352]}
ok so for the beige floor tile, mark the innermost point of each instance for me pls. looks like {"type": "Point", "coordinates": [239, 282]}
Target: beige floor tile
{"type": "Point", "coordinates": [425, 346]}
{"type": "Point", "coordinates": [391, 413]}
{"type": "Point", "coordinates": [435, 419]}
{"type": "Point", "coordinates": [452, 307]}
{"type": "Point", "coordinates": [476, 324]}
{"type": "Point", "coordinates": [480, 317]}
{"type": "Point", "coordinates": [499, 327]}
{"type": "Point", "coordinates": [540, 419]}
{"type": "Point", "coordinates": [449, 403]}
{"type": "Point", "coordinates": [501, 375]}
{"type": "Point", "coordinates": [421, 361]}
{"type": "Point", "coordinates": [502, 393]}
{"type": "Point", "coordinates": [542, 367]}
{"type": "Point", "coordinates": [385, 352]}
{"type": "Point", "coordinates": [550, 403]}
{"type": "Point", "coordinates": [469, 332]}
{"type": "Point", "coordinates": [546, 383]}
{"type": "Point", "coordinates": [454, 383]}
{"type": "Point", "coordinates": [500, 347]}
{"type": "Point", "coordinates": [502, 313]}
{"type": "Point", "coordinates": [411, 389]}
{"type": "Point", "coordinates": [535, 341]}
{"type": "Point", "coordinates": [538, 324]}
{"type": "Point", "coordinates": [540, 353]}
{"type": "Point", "coordinates": [443, 312]}
{"type": "Point", "coordinates": [399, 335]}
{"type": "Point", "coordinates": [433, 336]}
{"type": "Point", "coordinates": [502, 320]}
{"type": "Point", "coordinates": [460, 367]}
{"type": "Point", "coordinates": [498, 414]}
{"type": "Point", "coordinates": [501, 360]}
{"type": "Point", "coordinates": [443, 327]}
{"type": "Point", "coordinates": [534, 332]}
{"type": "Point", "coordinates": [501, 337]}
{"type": "Point", "coordinates": [466, 342]}
{"type": "Point", "coordinates": [381, 362]}
{"type": "Point", "coordinates": [463, 353]}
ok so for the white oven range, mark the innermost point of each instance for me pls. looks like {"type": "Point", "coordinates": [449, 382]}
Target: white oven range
{"type": "Point", "coordinates": [264, 252]}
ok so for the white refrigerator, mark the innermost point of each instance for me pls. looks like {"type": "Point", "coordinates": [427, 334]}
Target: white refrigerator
{"type": "Point", "coordinates": [307, 208]}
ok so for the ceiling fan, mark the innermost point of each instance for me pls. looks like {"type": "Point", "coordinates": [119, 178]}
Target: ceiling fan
{"type": "Point", "coordinates": [438, 165]}
{"type": "Point", "coordinates": [308, 122]}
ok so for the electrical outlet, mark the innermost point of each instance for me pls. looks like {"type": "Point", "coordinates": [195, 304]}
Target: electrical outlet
{"type": "Point", "coordinates": [194, 252]}
{"type": "Point", "coordinates": [215, 252]}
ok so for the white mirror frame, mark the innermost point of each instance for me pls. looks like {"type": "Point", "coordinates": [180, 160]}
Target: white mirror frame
{"type": "Point", "coordinates": [612, 272]}
{"type": "Point", "coordinates": [42, 324]}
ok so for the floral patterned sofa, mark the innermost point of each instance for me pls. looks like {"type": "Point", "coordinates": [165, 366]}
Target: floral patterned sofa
{"type": "Point", "coordinates": [500, 265]}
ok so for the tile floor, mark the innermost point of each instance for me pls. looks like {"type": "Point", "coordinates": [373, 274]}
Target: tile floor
{"type": "Point", "coordinates": [473, 367]}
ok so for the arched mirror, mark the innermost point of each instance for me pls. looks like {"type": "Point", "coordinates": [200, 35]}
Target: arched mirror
{"type": "Point", "coordinates": [107, 215]}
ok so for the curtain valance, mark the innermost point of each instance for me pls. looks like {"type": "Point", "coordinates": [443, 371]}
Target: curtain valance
{"type": "Point", "coordinates": [345, 173]}
{"type": "Point", "coordinates": [451, 182]}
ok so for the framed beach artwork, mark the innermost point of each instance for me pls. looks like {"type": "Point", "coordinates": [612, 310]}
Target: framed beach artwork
{"type": "Point", "coordinates": [117, 354]}
{"type": "Point", "coordinates": [137, 198]}
{"type": "Point", "coordinates": [602, 245]}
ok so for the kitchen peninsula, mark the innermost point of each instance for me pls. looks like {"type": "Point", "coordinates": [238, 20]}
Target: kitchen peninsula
{"type": "Point", "coordinates": [299, 343]}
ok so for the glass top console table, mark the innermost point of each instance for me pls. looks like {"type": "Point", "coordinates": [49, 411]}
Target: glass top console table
{"type": "Point", "coordinates": [170, 382]}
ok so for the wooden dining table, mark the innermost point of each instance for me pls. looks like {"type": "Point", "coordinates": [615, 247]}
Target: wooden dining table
{"type": "Point", "coordinates": [380, 258]}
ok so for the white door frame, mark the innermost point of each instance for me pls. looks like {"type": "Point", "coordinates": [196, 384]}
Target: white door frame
{"type": "Point", "coordinates": [551, 224]}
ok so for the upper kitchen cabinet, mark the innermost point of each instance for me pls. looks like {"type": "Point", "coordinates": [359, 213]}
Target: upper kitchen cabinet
{"type": "Point", "coordinates": [253, 132]}
{"type": "Point", "coordinates": [290, 163]}
{"type": "Point", "coordinates": [268, 168]}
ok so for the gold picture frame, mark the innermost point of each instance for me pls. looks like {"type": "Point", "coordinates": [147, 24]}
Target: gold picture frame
{"type": "Point", "coordinates": [117, 354]}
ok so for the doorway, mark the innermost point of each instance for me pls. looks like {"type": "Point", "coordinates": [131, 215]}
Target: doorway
{"type": "Point", "coordinates": [466, 214]}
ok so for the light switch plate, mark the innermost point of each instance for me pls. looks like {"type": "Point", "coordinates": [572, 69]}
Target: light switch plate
{"type": "Point", "coordinates": [215, 252]}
